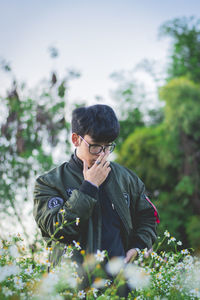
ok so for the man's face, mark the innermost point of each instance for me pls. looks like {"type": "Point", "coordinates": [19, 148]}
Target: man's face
{"type": "Point", "coordinates": [83, 149]}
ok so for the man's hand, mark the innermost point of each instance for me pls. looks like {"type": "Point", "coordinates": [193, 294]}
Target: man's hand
{"type": "Point", "coordinates": [131, 255]}
{"type": "Point", "coordinates": [98, 172]}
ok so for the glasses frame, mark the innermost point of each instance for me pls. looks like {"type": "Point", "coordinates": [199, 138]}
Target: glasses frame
{"type": "Point", "coordinates": [103, 148]}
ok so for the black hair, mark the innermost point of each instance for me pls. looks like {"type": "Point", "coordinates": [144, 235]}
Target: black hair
{"type": "Point", "coordinates": [99, 121]}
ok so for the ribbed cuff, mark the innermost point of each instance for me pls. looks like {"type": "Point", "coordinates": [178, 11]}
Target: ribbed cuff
{"type": "Point", "coordinates": [92, 183]}
{"type": "Point", "coordinates": [89, 189]}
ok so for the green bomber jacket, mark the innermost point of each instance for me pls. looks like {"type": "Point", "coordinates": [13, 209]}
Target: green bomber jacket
{"type": "Point", "coordinates": [61, 189]}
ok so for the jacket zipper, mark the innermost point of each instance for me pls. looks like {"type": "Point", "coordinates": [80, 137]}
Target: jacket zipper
{"type": "Point", "coordinates": [122, 219]}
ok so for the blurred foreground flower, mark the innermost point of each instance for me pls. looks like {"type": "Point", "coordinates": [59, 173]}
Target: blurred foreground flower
{"type": "Point", "coordinates": [100, 255]}
{"type": "Point", "coordinates": [137, 277]}
{"type": "Point", "coordinates": [115, 265]}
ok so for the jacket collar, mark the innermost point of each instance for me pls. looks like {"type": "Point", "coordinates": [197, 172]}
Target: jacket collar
{"type": "Point", "coordinates": [76, 163]}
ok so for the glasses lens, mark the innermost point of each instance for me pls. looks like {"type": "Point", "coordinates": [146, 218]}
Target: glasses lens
{"type": "Point", "coordinates": [111, 147]}
{"type": "Point", "coordinates": [95, 149]}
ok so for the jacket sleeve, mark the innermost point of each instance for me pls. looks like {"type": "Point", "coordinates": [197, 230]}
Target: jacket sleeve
{"type": "Point", "coordinates": [48, 203]}
{"type": "Point", "coordinates": [145, 220]}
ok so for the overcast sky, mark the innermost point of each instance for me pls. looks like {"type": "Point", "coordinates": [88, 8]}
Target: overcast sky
{"type": "Point", "coordinates": [93, 37]}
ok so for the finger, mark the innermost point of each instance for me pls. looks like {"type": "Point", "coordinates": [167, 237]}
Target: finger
{"type": "Point", "coordinates": [127, 258]}
{"type": "Point", "coordinates": [99, 160]}
{"type": "Point", "coordinates": [85, 166]}
{"type": "Point", "coordinates": [105, 156]}
{"type": "Point", "coordinates": [108, 171]}
{"type": "Point", "coordinates": [106, 164]}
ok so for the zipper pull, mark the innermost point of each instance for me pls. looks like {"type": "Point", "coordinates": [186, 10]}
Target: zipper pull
{"type": "Point", "coordinates": [113, 207]}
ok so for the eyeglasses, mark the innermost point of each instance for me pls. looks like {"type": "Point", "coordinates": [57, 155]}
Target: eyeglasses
{"type": "Point", "coordinates": [96, 149]}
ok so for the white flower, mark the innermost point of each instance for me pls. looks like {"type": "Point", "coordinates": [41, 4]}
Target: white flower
{"type": "Point", "coordinates": [172, 239]}
{"type": "Point", "coordinates": [137, 277]}
{"type": "Point", "coordinates": [108, 282]}
{"type": "Point", "coordinates": [184, 251]}
{"type": "Point", "coordinates": [159, 275]}
{"type": "Point", "coordinates": [188, 259]}
{"type": "Point", "coordinates": [115, 265]}
{"type": "Point", "coordinates": [68, 254]}
{"type": "Point", "coordinates": [7, 271]}
{"type": "Point", "coordinates": [29, 270]}
{"type": "Point", "coordinates": [154, 254]}
{"type": "Point", "coordinates": [77, 221]}
{"type": "Point", "coordinates": [9, 238]}
{"type": "Point", "coordinates": [49, 283]}
{"type": "Point", "coordinates": [173, 278]}
{"type": "Point", "coordinates": [166, 233]}
{"type": "Point", "coordinates": [18, 283]}
{"type": "Point", "coordinates": [81, 294]}
{"type": "Point", "coordinates": [77, 245]}
{"type": "Point", "coordinates": [99, 283]}
{"type": "Point", "coordinates": [195, 293]}
{"type": "Point", "coordinates": [94, 290]}
{"type": "Point", "coordinates": [6, 291]}
{"type": "Point", "coordinates": [171, 260]}
{"type": "Point", "coordinates": [179, 243]}
{"type": "Point", "coordinates": [100, 255]}
{"type": "Point", "coordinates": [72, 281]}
{"type": "Point", "coordinates": [14, 251]}
{"type": "Point", "coordinates": [179, 266]}
{"type": "Point", "coordinates": [74, 264]}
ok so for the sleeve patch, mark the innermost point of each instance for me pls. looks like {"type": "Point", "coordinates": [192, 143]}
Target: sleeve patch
{"type": "Point", "coordinates": [54, 202]}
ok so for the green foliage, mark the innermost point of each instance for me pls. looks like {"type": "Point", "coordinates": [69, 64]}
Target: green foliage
{"type": "Point", "coordinates": [185, 186]}
{"type": "Point", "coordinates": [146, 152]}
{"type": "Point", "coordinates": [185, 54]}
{"type": "Point", "coordinates": [33, 126]}
{"type": "Point", "coordinates": [166, 156]}
{"type": "Point", "coordinates": [182, 110]}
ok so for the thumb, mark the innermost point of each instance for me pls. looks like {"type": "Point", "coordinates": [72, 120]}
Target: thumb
{"type": "Point", "coordinates": [128, 257]}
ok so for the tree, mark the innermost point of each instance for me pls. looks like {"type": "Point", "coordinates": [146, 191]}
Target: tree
{"type": "Point", "coordinates": [33, 127]}
{"type": "Point", "coordinates": [132, 106]}
{"type": "Point", "coordinates": [182, 117]}
{"type": "Point", "coordinates": [167, 156]}
{"type": "Point", "coordinates": [185, 54]}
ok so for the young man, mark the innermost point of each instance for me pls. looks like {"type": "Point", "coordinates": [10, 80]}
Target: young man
{"type": "Point", "coordinates": [115, 214]}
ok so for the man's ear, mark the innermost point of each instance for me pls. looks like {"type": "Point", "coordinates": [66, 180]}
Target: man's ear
{"type": "Point", "coordinates": [75, 139]}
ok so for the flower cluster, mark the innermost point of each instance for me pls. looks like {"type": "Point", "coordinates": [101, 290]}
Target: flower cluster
{"type": "Point", "coordinates": [155, 274]}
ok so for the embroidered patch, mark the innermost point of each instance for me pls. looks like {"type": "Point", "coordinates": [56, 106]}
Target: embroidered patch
{"type": "Point", "coordinates": [54, 202]}
{"type": "Point", "coordinates": [127, 198]}
{"type": "Point", "coordinates": [69, 191]}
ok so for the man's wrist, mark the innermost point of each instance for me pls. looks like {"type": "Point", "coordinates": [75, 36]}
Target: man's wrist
{"type": "Point", "coordinates": [137, 250]}
{"type": "Point", "coordinates": [92, 183]}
